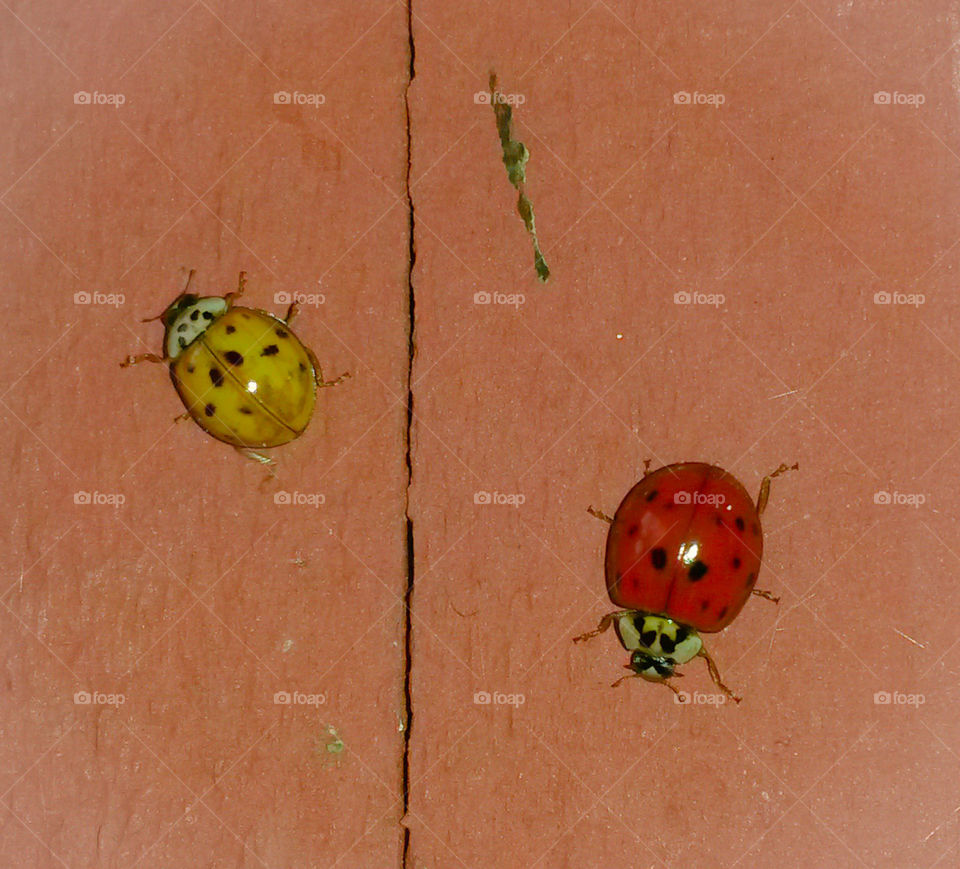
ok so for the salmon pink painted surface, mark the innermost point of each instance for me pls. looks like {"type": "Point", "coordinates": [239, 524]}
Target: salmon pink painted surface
{"type": "Point", "coordinates": [750, 214]}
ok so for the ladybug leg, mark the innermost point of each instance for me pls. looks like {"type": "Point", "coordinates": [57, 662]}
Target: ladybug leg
{"type": "Point", "coordinates": [143, 357]}
{"type": "Point", "coordinates": [715, 674]}
{"type": "Point", "coordinates": [182, 417]}
{"type": "Point", "coordinates": [600, 515]}
{"type": "Point", "coordinates": [241, 286]}
{"type": "Point", "coordinates": [253, 455]}
{"type": "Point", "coordinates": [764, 495]}
{"type": "Point", "coordinates": [292, 313]}
{"type": "Point", "coordinates": [604, 625]}
{"type": "Point", "coordinates": [769, 595]}
{"type": "Point", "coordinates": [318, 372]}
{"type": "Point", "coordinates": [646, 466]}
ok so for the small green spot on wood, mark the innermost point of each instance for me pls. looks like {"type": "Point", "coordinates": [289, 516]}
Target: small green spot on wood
{"type": "Point", "coordinates": [515, 157]}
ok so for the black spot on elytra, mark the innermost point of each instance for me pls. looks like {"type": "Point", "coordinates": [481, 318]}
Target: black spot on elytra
{"type": "Point", "coordinates": [648, 638]}
{"type": "Point", "coordinates": [703, 605]}
{"type": "Point", "coordinates": [231, 329]}
{"type": "Point", "coordinates": [303, 367]}
{"type": "Point", "coordinates": [207, 315]}
{"type": "Point", "coordinates": [216, 377]}
{"type": "Point", "coordinates": [209, 410]}
{"type": "Point", "coordinates": [755, 529]}
{"type": "Point", "coordinates": [735, 564]}
{"type": "Point", "coordinates": [658, 558]}
{"type": "Point", "coordinates": [233, 357]}
{"type": "Point", "coordinates": [281, 333]}
{"type": "Point", "coordinates": [194, 315]}
{"type": "Point", "coordinates": [722, 613]}
{"type": "Point", "coordinates": [698, 570]}
{"type": "Point", "coordinates": [751, 579]}
{"type": "Point", "coordinates": [667, 644]}
{"type": "Point", "coordinates": [190, 369]}
{"type": "Point", "coordinates": [270, 350]}
{"type": "Point", "coordinates": [740, 523]}
{"type": "Point", "coordinates": [246, 410]}
{"type": "Point", "coordinates": [651, 495]}
{"type": "Point", "coordinates": [632, 530]}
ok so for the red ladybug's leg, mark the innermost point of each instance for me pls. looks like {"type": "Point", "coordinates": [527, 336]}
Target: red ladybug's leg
{"type": "Point", "coordinates": [605, 623]}
{"type": "Point", "coordinates": [715, 674]}
{"type": "Point", "coordinates": [764, 495]}
{"type": "Point", "coordinates": [600, 515]}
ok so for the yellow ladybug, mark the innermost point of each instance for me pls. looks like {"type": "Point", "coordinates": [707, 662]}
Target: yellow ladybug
{"type": "Point", "coordinates": [242, 374]}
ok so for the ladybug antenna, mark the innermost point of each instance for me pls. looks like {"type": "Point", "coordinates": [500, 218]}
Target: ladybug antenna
{"type": "Point", "coordinates": [176, 301]}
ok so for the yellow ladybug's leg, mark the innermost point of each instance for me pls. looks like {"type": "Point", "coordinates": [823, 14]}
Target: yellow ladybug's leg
{"type": "Point", "coordinates": [143, 357]}
{"type": "Point", "coordinates": [715, 674]}
{"type": "Point", "coordinates": [764, 495]}
{"type": "Point", "coordinates": [253, 455]}
{"type": "Point", "coordinates": [292, 313]}
{"type": "Point", "coordinates": [241, 286]}
{"type": "Point", "coordinates": [769, 595]}
{"type": "Point", "coordinates": [318, 372]}
{"type": "Point", "coordinates": [599, 514]}
{"type": "Point", "coordinates": [605, 623]}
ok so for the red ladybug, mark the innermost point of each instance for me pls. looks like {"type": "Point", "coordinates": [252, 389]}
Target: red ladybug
{"type": "Point", "coordinates": [683, 556]}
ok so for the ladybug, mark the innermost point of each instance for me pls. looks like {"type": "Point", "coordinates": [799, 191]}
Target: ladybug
{"type": "Point", "coordinates": [683, 556]}
{"type": "Point", "coordinates": [242, 374]}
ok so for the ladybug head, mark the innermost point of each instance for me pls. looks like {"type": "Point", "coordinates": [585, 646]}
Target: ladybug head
{"type": "Point", "coordinates": [188, 318]}
{"type": "Point", "coordinates": [651, 667]}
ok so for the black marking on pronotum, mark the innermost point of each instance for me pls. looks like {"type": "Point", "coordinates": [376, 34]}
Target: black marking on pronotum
{"type": "Point", "coordinates": [194, 315]}
{"type": "Point", "coordinates": [207, 315]}
{"type": "Point", "coordinates": [667, 644]}
{"type": "Point", "coordinates": [648, 638]}
{"type": "Point", "coordinates": [658, 558]}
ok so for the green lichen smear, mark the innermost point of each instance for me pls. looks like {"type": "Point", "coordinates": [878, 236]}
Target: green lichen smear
{"type": "Point", "coordinates": [515, 157]}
